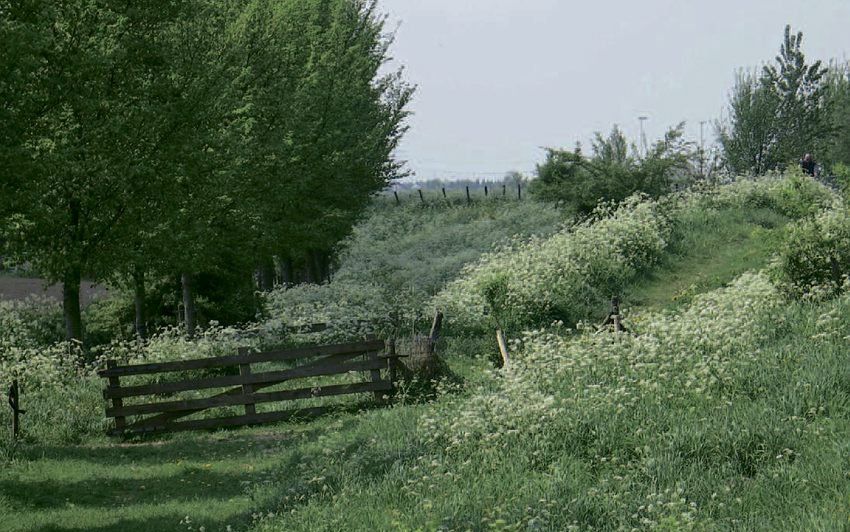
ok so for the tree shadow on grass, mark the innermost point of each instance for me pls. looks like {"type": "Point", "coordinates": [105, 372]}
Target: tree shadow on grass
{"type": "Point", "coordinates": [161, 523]}
{"type": "Point", "coordinates": [196, 446]}
{"type": "Point", "coordinates": [186, 485]}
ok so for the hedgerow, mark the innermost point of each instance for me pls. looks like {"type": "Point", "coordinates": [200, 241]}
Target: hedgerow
{"type": "Point", "coordinates": [535, 281]}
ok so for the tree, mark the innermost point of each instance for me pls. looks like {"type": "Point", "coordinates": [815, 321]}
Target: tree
{"type": "Point", "coordinates": [611, 173]}
{"type": "Point", "coordinates": [803, 121]}
{"type": "Point", "coordinates": [190, 139]}
{"type": "Point", "coordinates": [76, 101]}
{"type": "Point", "coordinates": [747, 136]}
{"type": "Point", "coordinates": [777, 116]}
{"type": "Point", "coordinates": [838, 83]}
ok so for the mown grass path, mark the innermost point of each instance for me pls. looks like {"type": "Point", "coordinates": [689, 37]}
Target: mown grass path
{"type": "Point", "coordinates": [715, 248]}
{"type": "Point", "coordinates": [149, 486]}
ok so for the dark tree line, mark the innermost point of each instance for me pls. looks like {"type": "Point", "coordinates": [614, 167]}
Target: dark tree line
{"type": "Point", "coordinates": [147, 139]}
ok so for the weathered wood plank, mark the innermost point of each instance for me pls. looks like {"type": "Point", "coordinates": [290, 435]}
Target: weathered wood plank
{"type": "Point", "coordinates": [375, 374]}
{"type": "Point", "coordinates": [114, 382]}
{"type": "Point", "coordinates": [247, 389]}
{"type": "Point", "coordinates": [163, 418]}
{"type": "Point", "coordinates": [197, 405]}
{"type": "Point", "coordinates": [233, 360]}
{"type": "Point", "coordinates": [222, 422]}
{"type": "Point", "coordinates": [330, 368]}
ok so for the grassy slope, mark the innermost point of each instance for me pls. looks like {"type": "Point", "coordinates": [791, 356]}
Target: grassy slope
{"type": "Point", "coordinates": [715, 247]}
{"type": "Point", "coordinates": [369, 459]}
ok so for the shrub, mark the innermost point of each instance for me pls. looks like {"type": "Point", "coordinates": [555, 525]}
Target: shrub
{"type": "Point", "coordinates": [538, 280]}
{"type": "Point", "coordinates": [560, 380]}
{"type": "Point", "coordinates": [792, 194]}
{"type": "Point", "coordinates": [395, 261]}
{"type": "Point", "coordinates": [815, 259]}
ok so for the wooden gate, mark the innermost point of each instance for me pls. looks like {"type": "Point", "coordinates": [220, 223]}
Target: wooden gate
{"type": "Point", "coordinates": [242, 386]}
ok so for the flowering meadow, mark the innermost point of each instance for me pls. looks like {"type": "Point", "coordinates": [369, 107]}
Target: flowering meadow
{"type": "Point", "coordinates": [726, 409]}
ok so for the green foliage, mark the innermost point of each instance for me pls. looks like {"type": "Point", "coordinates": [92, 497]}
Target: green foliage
{"type": "Point", "coordinates": [790, 194]}
{"type": "Point", "coordinates": [568, 276]}
{"type": "Point", "coordinates": [838, 87]}
{"type": "Point", "coordinates": [611, 174]}
{"type": "Point", "coordinates": [776, 117]}
{"type": "Point", "coordinates": [397, 258]}
{"type": "Point", "coordinates": [201, 137]}
{"type": "Point", "coordinates": [815, 259]}
{"type": "Point", "coordinates": [34, 321]}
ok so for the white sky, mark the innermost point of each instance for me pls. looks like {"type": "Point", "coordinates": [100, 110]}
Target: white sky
{"type": "Point", "coordinates": [499, 79]}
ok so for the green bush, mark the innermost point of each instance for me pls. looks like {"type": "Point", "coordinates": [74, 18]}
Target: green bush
{"type": "Point", "coordinates": [566, 277]}
{"type": "Point", "coordinates": [612, 174]}
{"type": "Point", "coordinates": [815, 258]}
{"type": "Point", "coordinates": [791, 194]}
{"type": "Point", "coordinates": [397, 258]}
{"type": "Point", "coordinates": [33, 322]}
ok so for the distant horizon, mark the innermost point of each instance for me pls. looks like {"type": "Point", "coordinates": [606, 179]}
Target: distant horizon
{"type": "Point", "coordinates": [499, 81]}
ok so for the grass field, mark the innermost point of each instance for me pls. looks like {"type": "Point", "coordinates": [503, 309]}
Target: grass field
{"type": "Point", "coordinates": [730, 411]}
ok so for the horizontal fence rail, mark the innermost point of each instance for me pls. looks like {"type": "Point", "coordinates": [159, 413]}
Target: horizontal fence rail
{"type": "Point", "coordinates": [320, 361]}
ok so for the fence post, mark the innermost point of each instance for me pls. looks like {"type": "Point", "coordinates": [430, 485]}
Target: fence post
{"type": "Point", "coordinates": [117, 402]}
{"type": "Point", "coordinates": [15, 403]}
{"type": "Point", "coordinates": [485, 191]}
{"type": "Point", "coordinates": [391, 362]}
{"type": "Point", "coordinates": [503, 348]}
{"type": "Point", "coordinates": [397, 201]}
{"type": "Point", "coordinates": [375, 374]}
{"type": "Point", "coordinates": [504, 190]}
{"type": "Point", "coordinates": [444, 192]}
{"type": "Point", "coordinates": [247, 389]}
{"type": "Point", "coordinates": [519, 191]}
{"type": "Point", "coordinates": [468, 199]}
{"type": "Point", "coordinates": [421, 198]}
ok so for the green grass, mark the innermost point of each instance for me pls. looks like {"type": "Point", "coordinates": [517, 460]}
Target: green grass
{"type": "Point", "coordinates": [712, 248]}
{"type": "Point", "coordinates": [770, 452]}
{"type": "Point", "coordinates": [217, 479]}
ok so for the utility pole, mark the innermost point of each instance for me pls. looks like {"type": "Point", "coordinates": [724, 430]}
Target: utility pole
{"type": "Point", "coordinates": [702, 149]}
{"type": "Point", "coordinates": [643, 119]}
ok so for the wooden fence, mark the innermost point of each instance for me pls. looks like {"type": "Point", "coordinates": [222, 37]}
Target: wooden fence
{"type": "Point", "coordinates": [366, 357]}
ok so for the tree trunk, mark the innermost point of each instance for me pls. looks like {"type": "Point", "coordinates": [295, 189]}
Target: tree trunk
{"type": "Point", "coordinates": [285, 273]}
{"type": "Point", "coordinates": [71, 304]}
{"type": "Point", "coordinates": [188, 305]}
{"type": "Point", "coordinates": [314, 271]}
{"type": "Point", "coordinates": [265, 275]}
{"type": "Point", "coordinates": [139, 300]}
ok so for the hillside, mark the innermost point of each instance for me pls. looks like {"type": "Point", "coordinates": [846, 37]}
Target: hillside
{"type": "Point", "coordinates": [725, 408]}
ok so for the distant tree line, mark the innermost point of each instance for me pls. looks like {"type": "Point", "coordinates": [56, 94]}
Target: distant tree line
{"type": "Point", "coordinates": [197, 145]}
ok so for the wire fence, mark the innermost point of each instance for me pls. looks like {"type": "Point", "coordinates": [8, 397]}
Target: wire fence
{"type": "Point", "coordinates": [453, 195]}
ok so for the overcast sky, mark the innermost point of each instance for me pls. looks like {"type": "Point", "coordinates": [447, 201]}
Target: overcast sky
{"type": "Point", "coordinates": [499, 79]}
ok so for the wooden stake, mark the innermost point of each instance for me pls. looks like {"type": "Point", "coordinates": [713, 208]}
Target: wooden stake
{"type": "Point", "coordinates": [468, 199]}
{"type": "Point", "coordinates": [391, 362]}
{"type": "Point", "coordinates": [247, 389]}
{"type": "Point", "coordinates": [14, 402]}
{"type": "Point", "coordinates": [436, 325]}
{"type": "Point", "coordinates": [421, 198]}
{"type": "Point", "coordinates": [397, 201]}
{"type": "Point", "coordinates": [503, 348]}
{"type": "Point", "coordinates": [117, 402]}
